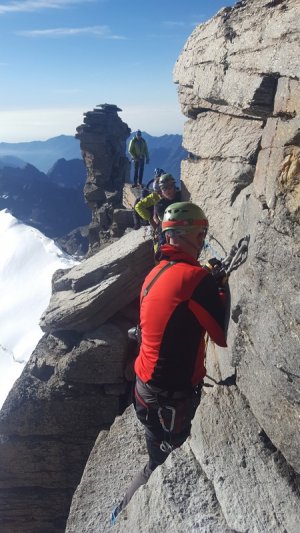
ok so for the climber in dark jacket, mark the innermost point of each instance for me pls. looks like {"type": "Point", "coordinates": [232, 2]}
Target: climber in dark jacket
{"type": "Point", "coordinates": [169, 195]}
{"type": "Point", "coordinates": [166, 194]}
{"type": "Point", "coordinates": [152, 207]}
{"type": "Point", "coordinates": [180, 302]}
{"type": "Point", "coordinates": [154, 184]}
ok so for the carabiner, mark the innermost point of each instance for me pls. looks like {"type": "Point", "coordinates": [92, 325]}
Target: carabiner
{"type": "Point", "coordinates": [161, 418]}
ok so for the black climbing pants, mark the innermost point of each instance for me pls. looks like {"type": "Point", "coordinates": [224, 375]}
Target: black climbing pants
{"type": "Point", "coordinates": [167, 420]}
{"type": "Point", "coordinates": [138, 171]}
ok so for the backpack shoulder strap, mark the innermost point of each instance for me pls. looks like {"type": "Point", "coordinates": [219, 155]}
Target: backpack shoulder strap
{"type": "Point", "coordinates": [137, 331]}
{"type": "Point", "coordinates": [161, 271]}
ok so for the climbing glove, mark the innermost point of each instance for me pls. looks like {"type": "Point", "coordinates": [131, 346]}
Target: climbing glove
{"type": "Point", "coordinates": [217, 270]}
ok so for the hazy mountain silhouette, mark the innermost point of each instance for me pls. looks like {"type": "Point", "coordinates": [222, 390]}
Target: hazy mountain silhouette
{"type": "Point", "coordinates": [165, 152]}
{"type": "Point", "coordinates": [11, 161]}
{"type": "Point", "coordinates": [53, 202]}
{"type": "Point", "coordinates": [43, 154]}
{"type": "Point", "coordinates": [35, 200]}
{"type": "Point", "coordinates": [70, 173]}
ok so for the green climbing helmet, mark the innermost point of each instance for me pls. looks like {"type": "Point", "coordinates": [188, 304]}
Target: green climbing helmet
{"type": "Point", "coordinates": [184, 216]}
{"type": "Point", "coordinates": [166, 179]}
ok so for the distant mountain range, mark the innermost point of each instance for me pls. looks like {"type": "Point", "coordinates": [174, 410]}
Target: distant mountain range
{"type": "Point", "coordinates": [165, 152]}
{"type": "Point", "coordinates": [43, 154]}
{"type": "Point", "coordinates": [11, 161]}
{"type": "Point", "coordinates": [41, 182]}
{"type": "Point", "coordinates": [52, 203]}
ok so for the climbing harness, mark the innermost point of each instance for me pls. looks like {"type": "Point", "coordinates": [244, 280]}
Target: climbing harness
{"type": "Point", "coordinates": [170, 413]}
{"type": "Point", "coordinates": [166, 413]}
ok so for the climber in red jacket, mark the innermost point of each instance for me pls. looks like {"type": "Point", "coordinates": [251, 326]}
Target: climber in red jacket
{"type": "Point", "coordinates": [180, 301]}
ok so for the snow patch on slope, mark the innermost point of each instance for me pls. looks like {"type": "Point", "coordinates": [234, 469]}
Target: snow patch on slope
{"type": "Point", "coordinates": [28, 260]}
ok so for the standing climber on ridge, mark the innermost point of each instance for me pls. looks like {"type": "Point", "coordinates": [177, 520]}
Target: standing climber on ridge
{"type": "Point", "coordinates": [138, 150]}
{"type": "Point", "coordinates": [180, 301]}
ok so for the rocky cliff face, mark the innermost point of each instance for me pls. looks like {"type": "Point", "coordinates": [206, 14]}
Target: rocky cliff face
{"type": "Point", "coordinates": [79, 376]}
{"type": "Point", "coordinates": [72, 387]}
{"type": "Point", "coordinates": [238, 79]}
{"type": "Point", "coordinates": [103, 145]}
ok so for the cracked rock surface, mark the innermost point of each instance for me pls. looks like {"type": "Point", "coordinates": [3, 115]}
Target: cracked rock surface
{"type": "Point", "coordinates": [239, 471]}
{"type": "Point", "coordinates": [238, 85]}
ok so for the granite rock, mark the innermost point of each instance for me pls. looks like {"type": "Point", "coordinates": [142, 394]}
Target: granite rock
{"type": "Point", "coordinates": [97, 288]}
{"type": "Point", "coordinates": [238, 81]}
{"type": "Point", "coordinates": [103, 146]}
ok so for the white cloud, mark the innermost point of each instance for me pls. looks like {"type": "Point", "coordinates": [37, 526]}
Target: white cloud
{"type": "Point", "coordinates": [102, 32]}
{"type": "Point", "coordinates": [37, 5]}
{"type": "Point", "coordinates": [41, 124]}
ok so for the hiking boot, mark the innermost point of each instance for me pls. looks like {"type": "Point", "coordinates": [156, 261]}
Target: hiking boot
{"type": "Point", "coordinates": [115, 513]}
{"type": "Point", "coordinates": [133, 185]}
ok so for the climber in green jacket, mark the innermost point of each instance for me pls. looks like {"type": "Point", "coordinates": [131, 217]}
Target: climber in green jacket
{"type": "Point", "coordinates": [138, 150]}
{"type": "Point", "coordinates": [152, 207]}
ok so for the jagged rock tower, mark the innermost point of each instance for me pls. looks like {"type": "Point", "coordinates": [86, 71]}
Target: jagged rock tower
{"type": "Point", "coordinates": [238, 79]}
{"type": "Point", "coordinates": [103, 143]}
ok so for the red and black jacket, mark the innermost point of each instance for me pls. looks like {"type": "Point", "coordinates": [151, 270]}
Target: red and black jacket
{"type": "Point", "coordinates": [182, 304]}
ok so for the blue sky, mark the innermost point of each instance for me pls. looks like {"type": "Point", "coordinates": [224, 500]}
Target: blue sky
{"type": "Point", "coordinates": [60, 58]}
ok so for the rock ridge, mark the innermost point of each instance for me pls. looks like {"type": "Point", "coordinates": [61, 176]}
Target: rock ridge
{"type": "Point", "coordinates": [239, 470]}
{"type": "Point", "coordinates": [73, 385]}
{"type": "Point", "coordinates": [103, 146]}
